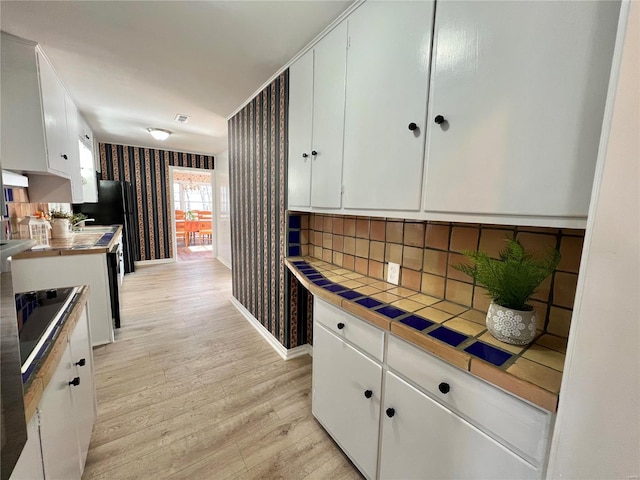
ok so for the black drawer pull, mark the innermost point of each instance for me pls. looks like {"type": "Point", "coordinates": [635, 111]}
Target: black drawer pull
{"type": "Point", "coordinates": [340, 326]}
{"type": "Point", "coordinates": [81, 363]}
{"type": "Point", "coordinates": [75, 382]}
{"type": "Point", "coordinates": [368, 393]}
{"type": "Point", "coordinates": [444, 387]}
{"type": "Point", "coordinates": [390, 412]}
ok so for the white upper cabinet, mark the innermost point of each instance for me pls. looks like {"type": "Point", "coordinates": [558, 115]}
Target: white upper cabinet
{"type": "Point", "coordinates": [74, 150]}
{"type": "Point", "coordinates": [54, 110]}
{"type": "Point", "coordinates": [300, 127]}
{"type": "Point", "coordinates": [40, 129]}
{"type": "Point", "coordinates": [330, 58]}
{"type": "Point", "coordinates": [87, 162]}
{"type": "Point", "coordinates": [388, 62]}
{"type": "Point", "coordinates": [316, 123]}
{"type": "Point", "coordinates": [519, 89]}
{"type": "Point", "coordinates": [23, 145]}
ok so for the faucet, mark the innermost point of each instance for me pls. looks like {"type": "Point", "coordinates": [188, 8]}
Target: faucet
{"type": "Point", "coordinates": [82, 221]}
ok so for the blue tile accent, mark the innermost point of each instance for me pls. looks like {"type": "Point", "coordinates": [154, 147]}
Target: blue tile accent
{"type": "Point", "coordinates": [369, 302]}
{"type": "Point", "coordinates": [487, 352]}
{"type": "Point", "coordinates": [294, 251]}
{"type": "Point", "coordinates": [391, 312]}
{"type": "Point", "coordinates": [300, 263]}
{"type": "Point", "coordinates": [350, 294]}
{"type": "Point", "coordinates": [308, 270]}
{"type": "Point", "coordinates": [321, 282]}
{"type": "Point", "coordinates": [314, 276]}
{"type": "Point", "coordinates": [419, 323]}
{"type": "Point", "coordinates": [295, 221]}
{"type": "Point", "coordinates": [447, 335]}
{"type": "Point", "coordinates": [294, 236]}
{"type": "Point", "coordinates": [104, 240]}
{"type": "Point", "coordinates": [334, 288]}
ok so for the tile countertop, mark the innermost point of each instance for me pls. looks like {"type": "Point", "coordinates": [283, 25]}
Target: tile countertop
{"type": "Point", "coordinates": [90, 240]}
{"type": "Point", "coordinates": [42, 374]}
{"type": "Point", "coordinates": [452, 332]}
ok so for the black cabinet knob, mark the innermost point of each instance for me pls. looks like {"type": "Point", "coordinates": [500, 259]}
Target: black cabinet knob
{"type": "Point", "coordinates": [368, 393]}
{"type": "Point", "coordinates": [439, 119]}
{"type": "Point", "coordinates": [87, 137]}
{"type": "Point", "coordinates": [64, 155]}
{"type": "Point", "coordinates": [305, 155]}
{"type": "Point", "coordinates": [390, 412]}
{"type": "Point", "coordinates": [340, 326]}
{"type": "Point", "coordinates": [314, 153]}
{"type": "Point", "coordinates": [412, 126]}
{"type": "Point", "coordinates": [75, 382]}
{"type": "Point", "coordinates": [82, 362]}
{"type": "Point", "coordinates": [444, 387]}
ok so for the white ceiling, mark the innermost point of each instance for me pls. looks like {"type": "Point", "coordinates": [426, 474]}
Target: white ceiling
{"type": "Point", "coordinates": [136, 64]}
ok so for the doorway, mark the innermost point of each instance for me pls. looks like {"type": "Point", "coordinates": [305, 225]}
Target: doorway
{"type": "Point", "coordinates": [193, 206]}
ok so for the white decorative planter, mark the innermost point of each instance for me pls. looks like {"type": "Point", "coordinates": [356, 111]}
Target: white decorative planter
{"type": "Point", "coordinates": [60, 228]}
{"type": "Point", "coordinates": [516, 327]}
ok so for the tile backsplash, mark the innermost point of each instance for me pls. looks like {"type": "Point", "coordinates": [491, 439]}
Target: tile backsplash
{"type": "Point", "coordinates": [426, 252]}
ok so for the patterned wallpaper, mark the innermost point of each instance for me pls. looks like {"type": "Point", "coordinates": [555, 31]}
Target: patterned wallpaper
{"type": "Point", "coordinates": [426, 252]}
{"type": "Point", "coordinates": [257, 176]}
{"type": "Point", "coordinates": [148, 170]}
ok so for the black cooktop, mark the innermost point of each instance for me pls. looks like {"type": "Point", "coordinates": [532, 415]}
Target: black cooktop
{"type": "Point", "coordinates": [40, 318]}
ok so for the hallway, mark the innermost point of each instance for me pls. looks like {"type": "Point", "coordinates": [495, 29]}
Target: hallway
{"type": "Point", "coordinates": [191, 390]}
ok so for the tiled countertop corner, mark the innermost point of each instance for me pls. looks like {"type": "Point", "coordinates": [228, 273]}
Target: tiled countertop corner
{"type": "Point", "coordinates": [87, 242]}
{"type": "Point", "coordinates": [454, 333]}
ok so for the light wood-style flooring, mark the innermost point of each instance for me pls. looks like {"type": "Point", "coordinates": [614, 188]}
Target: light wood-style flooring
{"type": "Point", "coordinates": [195, 252]}
{"type": "Point", "coordinates": [191, 391]}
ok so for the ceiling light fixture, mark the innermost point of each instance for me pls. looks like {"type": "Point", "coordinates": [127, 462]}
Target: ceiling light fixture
{"type": "Point", "coordinates": [159, 133]}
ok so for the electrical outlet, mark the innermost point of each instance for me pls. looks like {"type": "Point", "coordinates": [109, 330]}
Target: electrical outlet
{"type": "Point", "coordinates": [393, 273]}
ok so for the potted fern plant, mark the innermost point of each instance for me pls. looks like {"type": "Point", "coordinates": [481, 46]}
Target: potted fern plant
{"type": "Point", "coordinates": [510, 281]}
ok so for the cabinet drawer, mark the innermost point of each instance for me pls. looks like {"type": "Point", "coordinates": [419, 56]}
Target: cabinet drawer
{"type": "Point", "coordinates": [508, 419]}
{"type": "Point", "coordinates": [358, 332]}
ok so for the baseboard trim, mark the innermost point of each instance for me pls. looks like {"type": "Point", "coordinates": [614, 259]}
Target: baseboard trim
{"type": "Point", "coordinates": [286, 354]}
{"type": "Point", "coordinates": [224, 262]}
{"type": "Point", "coordinates": [158, 261]}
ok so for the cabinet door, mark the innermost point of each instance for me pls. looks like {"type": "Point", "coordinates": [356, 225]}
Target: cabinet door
{"type": "Point", "coordinates": [73, 149]}
{"type": "Point", "coordinates": [386, 97]}
{"type": "Point", "coordinates": [423, 439]}
{"type": "Point", "coordinates": [341, 376]}
{"type": "Point", "coordinates": [29, 466]}
{"type": "Point", "coordinates": [300, 116]}
{"type": "Point", "coordinates": [55, 117]}
{"type": "Point", "coordinates": [83, 395]}
{"type": "Point", "coordinates": [58, 424]}
{"type": "Point", "coordinates": [330, 59]}
{"type": "Point", "coordinates": [521, 87]}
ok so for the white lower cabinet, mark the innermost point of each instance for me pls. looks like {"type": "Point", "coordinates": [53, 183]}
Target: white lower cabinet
{"type": "Point", "coordinates": [83, 395]}
{"type": "Point", "coordinates": [60, 430]}
{"type": "Point", "coordinates": [29, 466]}
{"type": "Point", "coordinates": [427, 419]}
{"type": "Point", "coordinates": [423, 439]}
{"type": "Point", "coordinates": [58, 434]}
{"type": "Point", "coordinates": [346, 397]}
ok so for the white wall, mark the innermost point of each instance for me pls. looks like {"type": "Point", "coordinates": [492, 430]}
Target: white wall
{"type": "Point", "coordinates": [597, 433]}
{"type": "Point", "coordinates": [223, 220]}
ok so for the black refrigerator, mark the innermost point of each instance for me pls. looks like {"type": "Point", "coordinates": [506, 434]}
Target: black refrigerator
{"type": "Point", "coordinates": [116, 205]}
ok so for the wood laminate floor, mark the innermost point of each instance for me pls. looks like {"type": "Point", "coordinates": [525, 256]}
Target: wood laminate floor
{"type": "Point", "coordinates": [194, 252]}
{"type": "Point", "coordinates": [191, 391]}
